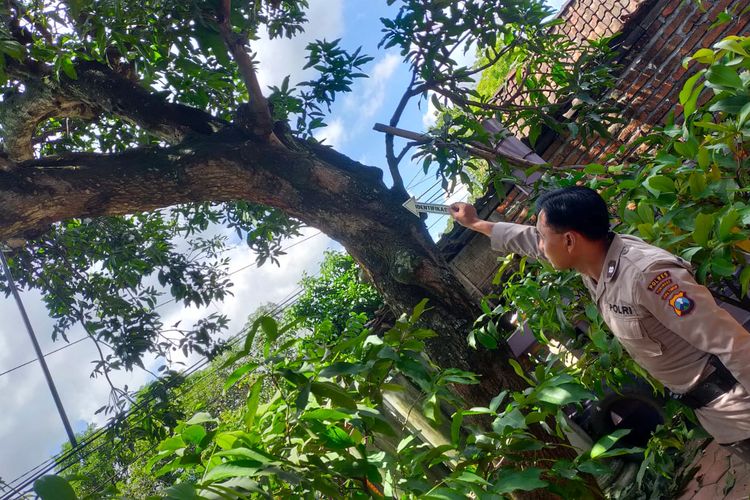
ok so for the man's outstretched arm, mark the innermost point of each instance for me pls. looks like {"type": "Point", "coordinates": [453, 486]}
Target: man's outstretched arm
{"type": "Point", "coordinates": [505, 237]}
{"type": "Point", "coordinates": [466, 215]}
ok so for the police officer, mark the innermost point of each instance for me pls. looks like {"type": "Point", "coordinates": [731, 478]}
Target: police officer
{"type": "Point", "coordinates": [669, 324]}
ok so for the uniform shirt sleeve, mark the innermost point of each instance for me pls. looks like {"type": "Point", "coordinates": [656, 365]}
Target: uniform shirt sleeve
{"type": "Point", "coordinates": [677, 301]}
{"type": "Point", "coordinates": [515, 238]}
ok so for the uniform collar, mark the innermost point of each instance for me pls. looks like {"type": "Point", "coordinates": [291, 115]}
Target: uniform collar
{"type": "Point", "coordinates": [611, 264]}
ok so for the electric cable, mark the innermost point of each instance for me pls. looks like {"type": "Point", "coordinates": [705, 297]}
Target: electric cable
{"type": "Point", "coordinates": [157, 306]}
{"type": "Point", "coordinates": [53, 462]}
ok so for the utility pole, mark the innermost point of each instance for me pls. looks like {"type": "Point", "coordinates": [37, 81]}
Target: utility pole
{"type": "Point", "coordinates": [39, 354]}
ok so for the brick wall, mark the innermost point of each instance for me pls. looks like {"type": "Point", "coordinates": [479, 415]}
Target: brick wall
{"type": "Point", "coordinates": [656, 37]}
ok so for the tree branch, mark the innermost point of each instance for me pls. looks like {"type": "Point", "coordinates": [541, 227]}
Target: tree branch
{"type": "Point", "coordinates": [391, 158]}
{"type": "Point", "coordinates": [480, 150]}
{"type": "Point", "coordinates": [21, 114]}
{"type": "Point", "coordinates": [262, 122]}
{"type": "Point", "coordinates": [219, 168]}
{"type": "Point", "coordinates": [97, 89]}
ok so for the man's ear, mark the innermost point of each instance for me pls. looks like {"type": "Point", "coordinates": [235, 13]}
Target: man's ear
{"type": "Point", "coordinates": [570, 239]}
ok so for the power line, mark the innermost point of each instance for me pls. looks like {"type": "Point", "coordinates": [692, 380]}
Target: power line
{"type": "Point", "coordinates": [157, 306]}
{"type": "Point", "coordinates": [45, 355]}
{"type": "Point", "coordinates": [55, 462]}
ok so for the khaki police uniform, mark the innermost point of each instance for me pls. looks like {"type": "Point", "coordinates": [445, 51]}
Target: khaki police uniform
{"type": "Point", "coordinates": [668, 323]}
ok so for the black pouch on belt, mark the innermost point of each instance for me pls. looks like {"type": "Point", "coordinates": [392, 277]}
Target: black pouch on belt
{"type": "Point", "coordinates": [715, 385]}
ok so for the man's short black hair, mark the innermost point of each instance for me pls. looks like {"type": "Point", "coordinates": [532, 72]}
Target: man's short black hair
{"type": "Point", "coordinates": [576, 208]}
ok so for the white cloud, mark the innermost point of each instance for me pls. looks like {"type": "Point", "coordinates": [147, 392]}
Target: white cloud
{"type": "Point", "coordinates": [370, 97]}
{"type": "Point", "coordinates": [335, 134]}
{"type": "Point", "coordinates": [281, 57]}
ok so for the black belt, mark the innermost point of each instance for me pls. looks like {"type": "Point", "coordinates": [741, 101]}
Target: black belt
{"type": "Point", "coordinates": [718, 383]}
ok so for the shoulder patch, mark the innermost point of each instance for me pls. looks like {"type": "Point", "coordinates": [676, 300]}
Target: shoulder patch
{"type": "Point", "coordinates": [664, 284]}
{"type": "Point", "coordinates": [669, 291]}
{"type": "Point", "coordinates": [682, 304]}
{"type": "Point", "coordinates": [659, 278]}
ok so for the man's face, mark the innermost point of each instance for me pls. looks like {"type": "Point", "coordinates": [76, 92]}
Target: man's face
{"type": "Point", "coordinates": [557, 247]}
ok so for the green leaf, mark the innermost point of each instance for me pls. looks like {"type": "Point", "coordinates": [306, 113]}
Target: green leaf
{"type": "Point", "coordinates": [342, 368]}
{"type": "Point", "coordinates": [687, 89]}
{"type": "Point", "coordinates": [325, 414]}
{"type": "Point", "coordinates": [646, 212]}
{"type": "Point", "coordinates": [470, 477]}
{"type": "Point", "coordinates": [703, 56]}
{"type": "Point", "coordinates": [661, 183]}
{"type": "Point", "coordinates": [721, 266]}
{"type": "Point", "coordinates": [253, 400]}
{"type": "Point", "coordinates": [336, 438]}
{"type": "Point", "coordinates": [519, 371]}
{"type": "Point", "coordinates": [419, 309]}
{"type": "Point", "coordinates": [647, 231]}
{"type": "Point", "coordinates": [270, 328]}
{"type": "Point", "coordinates": [248, 453]}
{"type": "Point", "coordinates": [607, 442]}
{"type": "Point", "coordinates": [563, 394]}
{"type": "Point", "coordinates": [724, 77]}
{"type": "Point", "coordinates": [333, 392]}
{"type": "Point", "coordinates": [239, 468]}
{"type": "Point", "coordinates": [513, 419]}
{"type": "Point", "coordinates": [732, 46]}
{"type": "Point", "coordinates": [690, 252]}
{"type": "Point", "coordinates": [745, 280]}
{"type": "Point", "coordinates": [193, 434]}
{"type": "Point", "coordinates": [54, 488]}
{"type": "Point", "coordinates": [703, 225]}
{"type": "Point", "coordinates": [250, 337]}
{"type": "Point", "coordinates": [743, 115]}
{"type": "Point", "coordinates": [704, 157]}
{"type": "Point", "coordinates": [239, 373]}
{"type": "Point", "coordinates": [732, 104]}
{"type": "Point", "coordinates": [13, 49]}
{"type": "Point", "coordinates": [726, 223]}
{"type": "Point", "coordinates": [67, 66]}
{"type": "Point", "coordinates": [697, 182]}
{"type": "Point", "coordinates": [201, 418]}
{"type": "Point", "coordinates": [595, 169]}
{"type": "Point", "coordinates": [171, 443]}
{"type": "Point", "coordinates": [692, 102]}
{"type": "Point", "coordinates": [181, 491]}
{"type": "Point", "coordinates": [509, 480]}
{"type": "Point", "coordinates": [456, 423]}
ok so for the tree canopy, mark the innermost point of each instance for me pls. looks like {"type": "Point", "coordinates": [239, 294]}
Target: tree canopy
{"type": "Point", "coordinates": [130, 130]}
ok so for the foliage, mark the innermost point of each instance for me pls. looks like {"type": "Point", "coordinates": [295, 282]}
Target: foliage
{"type": "Point", "coordinates": [323, 429]}
{"type": "Point", "coordinates": [685, 192]}
{"type": "Point", "coordinates": [335, 294]}
{"type": "Point", "coordinates": [687, 195]}
{"type": "Point", "coordinates": [109, 275]}
{"type": "Point", "coordinates": [688, 192]}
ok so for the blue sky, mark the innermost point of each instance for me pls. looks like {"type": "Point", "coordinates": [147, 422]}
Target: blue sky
{"type": "Point", "coordinates": [29, 426]}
